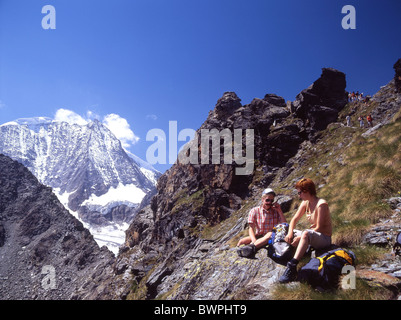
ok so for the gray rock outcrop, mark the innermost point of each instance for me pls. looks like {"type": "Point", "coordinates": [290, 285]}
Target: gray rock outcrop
{"type": "Point", "coordinates": [321, 102]}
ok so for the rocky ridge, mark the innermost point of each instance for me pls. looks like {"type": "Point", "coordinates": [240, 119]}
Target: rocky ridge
{"type": "Point", "coordinates": [45, 253]}
{"type": "Point", "coordinates": [182, 246]}
{"type": "Point", "coordinates": [177, 248]}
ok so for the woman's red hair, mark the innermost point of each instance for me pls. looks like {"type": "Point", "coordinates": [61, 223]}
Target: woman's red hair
{"type": "Point", "coordinates": [306, 185]}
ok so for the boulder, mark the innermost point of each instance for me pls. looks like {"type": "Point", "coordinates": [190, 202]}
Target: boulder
{"type": "Point", "coordinates": [227, 104]}
{"type": "Point", "coordinates": [223, 275]}
{"type": "Point", "coordinates": [275, 100]}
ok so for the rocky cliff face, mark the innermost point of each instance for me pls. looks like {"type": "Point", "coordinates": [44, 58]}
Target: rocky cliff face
{"type": "Point", "coordinates": [45, 252]}
{"type": "Point", "coordinates": [179, 242]}
{"type": "Point", "coordinates": [321, 102]}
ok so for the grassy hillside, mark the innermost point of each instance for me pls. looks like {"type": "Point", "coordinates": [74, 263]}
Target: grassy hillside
{"type": "Point", "coordinates": [355, 173]}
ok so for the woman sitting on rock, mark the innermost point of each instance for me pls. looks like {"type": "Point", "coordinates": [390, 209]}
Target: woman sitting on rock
{"type": "Point", "coordinates": [319, 234]}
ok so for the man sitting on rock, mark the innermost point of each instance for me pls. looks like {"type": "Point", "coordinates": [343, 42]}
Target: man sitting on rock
{"type": "Point", "coordinates": [261, 222]}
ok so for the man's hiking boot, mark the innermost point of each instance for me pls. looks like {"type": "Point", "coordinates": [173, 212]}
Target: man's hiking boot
{"type": "Point", "coordinates": [247, 251]}
{"type": "Point", "coordinates": [290, 273]}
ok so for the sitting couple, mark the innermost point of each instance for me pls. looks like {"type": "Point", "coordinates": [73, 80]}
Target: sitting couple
{"type": "Point", "coordinates": [262, 220]}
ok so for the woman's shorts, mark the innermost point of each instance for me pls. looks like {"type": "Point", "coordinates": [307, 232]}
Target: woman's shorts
{"type": "Point", "coordinates": [318, 240]}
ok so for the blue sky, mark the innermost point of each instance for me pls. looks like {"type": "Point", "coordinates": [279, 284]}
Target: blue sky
{"type": "Point", "coordinates": [144, 63]}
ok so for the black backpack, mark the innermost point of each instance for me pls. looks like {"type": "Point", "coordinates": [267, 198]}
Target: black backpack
{"type": "Point", "coordinates": [397, 245]}
{"type": "Point", "coordinates": [324, 271]}
{"type": "Point", "coordinates": [278, 249]}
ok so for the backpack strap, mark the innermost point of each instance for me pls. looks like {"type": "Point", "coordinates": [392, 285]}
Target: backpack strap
{"type": "Point", "coordinates": [338, 253]}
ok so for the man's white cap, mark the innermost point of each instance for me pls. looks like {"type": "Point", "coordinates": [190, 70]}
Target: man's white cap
{"type": "Point", "coordinates": [268, 190]}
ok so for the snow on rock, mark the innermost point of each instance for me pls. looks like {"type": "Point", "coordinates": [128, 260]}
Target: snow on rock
{"type": "Point", "coordinates": [119, 194]}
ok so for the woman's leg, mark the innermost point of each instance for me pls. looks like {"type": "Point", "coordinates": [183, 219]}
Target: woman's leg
{"type": "Point", "coordinates": [302, 246]}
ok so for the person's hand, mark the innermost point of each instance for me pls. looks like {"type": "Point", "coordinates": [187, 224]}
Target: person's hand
{"type": "Point", "coordinates": [276, 205]}
{"type": "Point", "coordinates": [295, 241]}
{"type": "Point", "coordinates": [289, 237]}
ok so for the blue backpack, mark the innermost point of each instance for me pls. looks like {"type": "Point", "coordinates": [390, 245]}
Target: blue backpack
{"type": "Point", "coordinates": [278, 249]}
{"type": "Point", "coordinates": [324, 271]}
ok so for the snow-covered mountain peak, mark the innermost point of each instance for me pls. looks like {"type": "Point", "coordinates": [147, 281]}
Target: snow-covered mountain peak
{"type": "Point", "coordinates": [34, 123]}
{"type": "Point", "coordinates": [84, 163]}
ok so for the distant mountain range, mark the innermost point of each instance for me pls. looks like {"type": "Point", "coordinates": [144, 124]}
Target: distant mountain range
{"type": "Point", "coordinates": [94, 177]}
